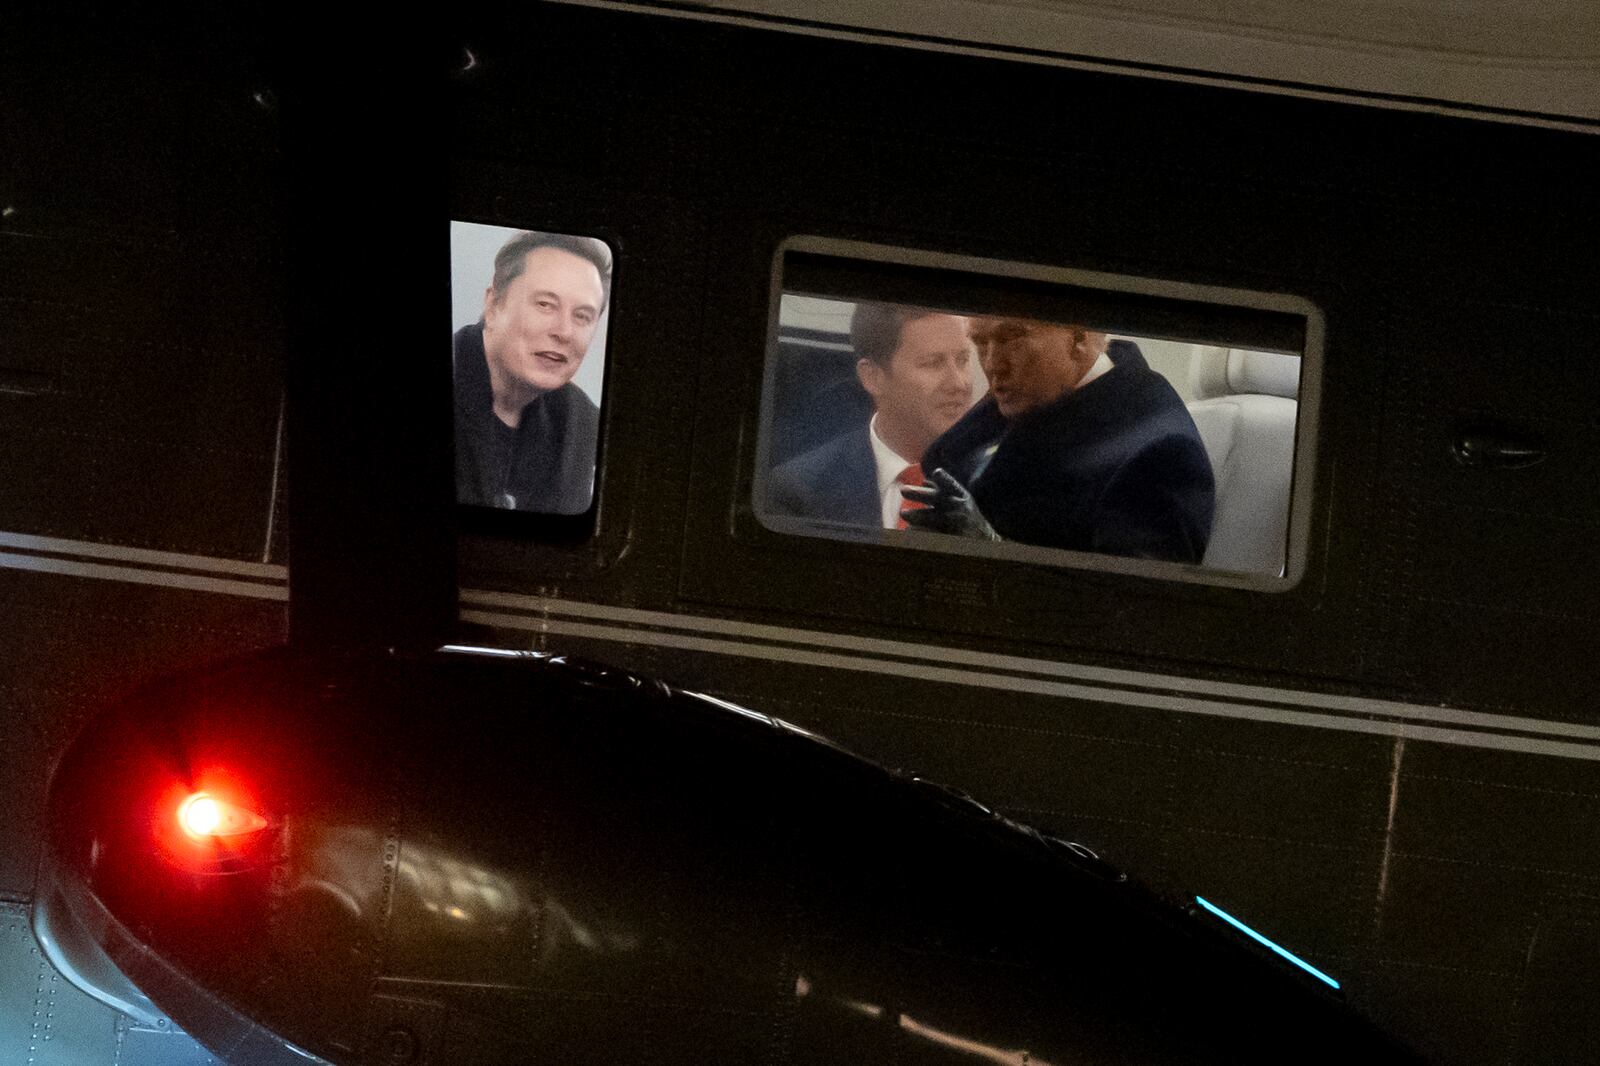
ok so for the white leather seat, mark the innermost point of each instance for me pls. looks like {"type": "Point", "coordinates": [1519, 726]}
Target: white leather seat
{"type": "Point", "coordinates": [1245, 410]}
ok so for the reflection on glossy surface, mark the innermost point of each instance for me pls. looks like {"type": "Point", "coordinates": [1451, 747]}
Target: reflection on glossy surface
{"type": "Point", "coordinates": [976, 1048]}
{"type": "Point", "coordinates": [457, 919]}
{"type": "Point", "coordinates": [871, 1010]}
{"type": "Point", "coordinates": [497, 858]}
{"type": "Point", "coordinates": [919, 1030]}
{"type": "Point", "coordinates": [731, 707]}
{"type": "Point", "coordinates": [468, 893]}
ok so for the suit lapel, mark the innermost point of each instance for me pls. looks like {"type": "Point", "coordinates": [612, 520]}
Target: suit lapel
{"type": "Point", "coordinates": [859, 502]}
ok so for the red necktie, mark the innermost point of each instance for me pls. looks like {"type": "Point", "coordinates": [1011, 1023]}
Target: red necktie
{"type": "Point", "coordinates": [911, 475]}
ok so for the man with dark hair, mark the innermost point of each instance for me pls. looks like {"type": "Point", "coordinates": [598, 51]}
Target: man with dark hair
{"type": "Point", "coordinates": [1079, 445]}
{"type": "Point", "coordinates": [916, 365]}
{"type": "Point", "coordinates": [525, 434]}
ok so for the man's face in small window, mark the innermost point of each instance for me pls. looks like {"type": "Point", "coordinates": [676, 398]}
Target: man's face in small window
{"type": "Point", "coordinates": [537, 331]}
{"type": "Point", "coordinates": [1030, 363]}
{"type": "Point", "coordinates": [926, 385]}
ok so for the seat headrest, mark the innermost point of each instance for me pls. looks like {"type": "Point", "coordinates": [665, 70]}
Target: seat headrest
{"type": "Point", "coordinates": [1233, 371]}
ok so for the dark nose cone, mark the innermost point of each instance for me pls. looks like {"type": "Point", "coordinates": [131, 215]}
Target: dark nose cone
{"type": "Point", "coordinates": [474, 858]}
{"type": "Point", "coordinates": [245, 918]}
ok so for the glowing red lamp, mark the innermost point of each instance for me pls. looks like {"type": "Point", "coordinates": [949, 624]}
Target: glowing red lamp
{"type": "Point", "coordinates": [204, 815]}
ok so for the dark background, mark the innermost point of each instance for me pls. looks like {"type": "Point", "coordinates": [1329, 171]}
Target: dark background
{"type": "Point", "coordinates": [168, 260]}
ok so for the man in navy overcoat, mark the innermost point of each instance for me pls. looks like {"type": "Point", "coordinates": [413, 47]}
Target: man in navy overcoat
{"type": "Point", "coordinates": [1079, 445]}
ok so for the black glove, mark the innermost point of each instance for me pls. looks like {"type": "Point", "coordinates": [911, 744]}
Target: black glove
{"type": "Point", "coordinates": [950, 508]}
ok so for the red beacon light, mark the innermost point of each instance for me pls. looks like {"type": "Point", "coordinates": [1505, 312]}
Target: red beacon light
{"type": "Point", "coordinates": [203, 815]}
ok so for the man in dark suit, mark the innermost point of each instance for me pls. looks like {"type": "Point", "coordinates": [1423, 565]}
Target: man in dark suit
{"type": "Point", "coordinates": [916, 364]}
{"type": "Point", "coordinates": [525, 434]}
{"type": "Point", "coordinates": [1079, 445]}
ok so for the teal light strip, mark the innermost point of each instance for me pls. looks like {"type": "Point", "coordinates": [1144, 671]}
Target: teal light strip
{"type": "Point", "coordinates": [1258, 938]}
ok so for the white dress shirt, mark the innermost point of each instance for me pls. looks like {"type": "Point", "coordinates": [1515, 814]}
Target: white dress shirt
{"type": "Point", "coordinates": [890, 464]}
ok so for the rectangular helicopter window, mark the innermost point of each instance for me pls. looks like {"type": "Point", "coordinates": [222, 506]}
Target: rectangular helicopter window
{"type": "Point", "coordinates": [1041, 414]}
{"type": "Point", "coordinates": [529, 314]}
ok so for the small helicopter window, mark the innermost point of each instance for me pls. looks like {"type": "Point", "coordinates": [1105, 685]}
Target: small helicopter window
{"type": "Point", "coordinates": [529, 317]}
